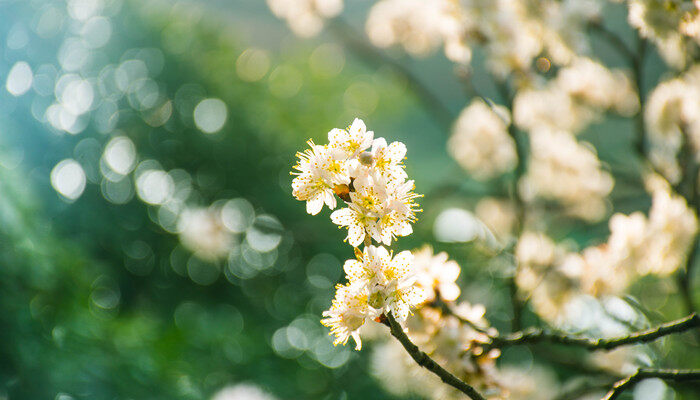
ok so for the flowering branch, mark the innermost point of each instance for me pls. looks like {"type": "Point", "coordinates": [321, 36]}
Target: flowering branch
{"type": "Point", "coordinates": [426, 362]}
{"type": "Point", "coordinates": [536, 335]}
{"type": "Point", "coordinates": [677, 375]}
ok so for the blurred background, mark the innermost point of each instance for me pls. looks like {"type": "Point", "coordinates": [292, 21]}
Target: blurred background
{"type": "Point", "coordinates": [149, 243]}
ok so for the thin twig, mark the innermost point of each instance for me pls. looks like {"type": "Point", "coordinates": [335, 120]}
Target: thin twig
{"type": "Point", "coordinates": [676, 375]}
{"type": "Point", "coordinates": [428, 363]}
{"type": "Point", "coordinates": [375, 58]}
{"type": "Point", "coordinates": [537, 335]}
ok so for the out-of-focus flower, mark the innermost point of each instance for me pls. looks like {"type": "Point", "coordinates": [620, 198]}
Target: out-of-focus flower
{"type": "Point", "coordinates": [527, 384]}
{"type": "Point", "coordinates": [564, 170]}
{"type": "Point", "coordinates": [242, 391]}
{"type": "Point", "coordinates": [542, 275]}
{"type": "Point", "coordinates": [305, 17]}
{"type": "Point", "coordinates": [203, 232]}
{"type": "Point", "coordinates": [667, 23]}
{"type": "Point", "coordinates": [435, 273]}
{"type": "Point", "coordinates": [499, 215]}
{"type": "Point", "coordinates": [480, 142]}
{"type": "Point", "coordinates": [550, 108]}
{"type": "Point", "coordinates": [420, 27]}
{"type": "Point", "coordinates": [673, 118]}
{"type": "Point", "coordinates": [595, 85]}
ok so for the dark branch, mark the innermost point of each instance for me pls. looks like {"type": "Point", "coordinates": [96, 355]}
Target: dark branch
{"type": "Point", "coordinates": [676, 375]}
{"type": "Point", "coordinates": [428, 363]}
{"type": "Point", "coordinates": [520, 206]}
{"type": "Point", "coordinates": [537, 335]}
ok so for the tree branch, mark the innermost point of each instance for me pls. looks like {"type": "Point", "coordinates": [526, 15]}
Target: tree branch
{"type": "Point", "coordinates": [520, 206]}
{"type": "Point", "coordinates": [676, 375]}
{"type": "Point", "coordinates": [537, 335]}
{"type": "Point", "coordinates": [375, 58]}
{"type": "Point", "coordinates": [428, 363]}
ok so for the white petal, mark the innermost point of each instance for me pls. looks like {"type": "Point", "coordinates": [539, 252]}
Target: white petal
{"type": "Point", "coordinates": [377, 144]}
{"type": "Point", "coordinates": [337, 135]}
{"type": "Point", "coordinates": [356, 235]}
{"type": "Point", "coordinates": [449, 291]}
{"type": "Point", "coordinates": [358, 128]}
{"type": "Point", "coordinates": [342, 217]}
{"type": "Point", "coordinates": [396, 151]}
{"type": "Point", "coordinates": [314, 205]}
{"type": "Point", "coordinates": [353, 269]}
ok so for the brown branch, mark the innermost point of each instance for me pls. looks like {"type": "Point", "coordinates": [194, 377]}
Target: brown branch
{"type": "Point", "coordinates": [537, 335]}
{"type": "Point", "coordinates": [676, 375]}
{"type": "Point", "coordinates": [428, 363]}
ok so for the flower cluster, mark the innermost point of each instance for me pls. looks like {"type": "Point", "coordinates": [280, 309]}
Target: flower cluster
{"type": "Point", "coordinates": [638, 245]}
{"type": "Point", "coordinates": [670, 24]}
{"type": "Point", "coordinates": [305, 17]}
{"type": "Point", "coordinates": [367, 174]}
{"type": "Point", "coordinates": [378, 283]}
{"type": "Point", "coordinates": [673, 119]}
{"type": "Point", "coordinates": [562, 169]}
{"type": "Point", "coordinates": [480, 142]}
{"type": "Point", "coordinates": [575, 98]}
{"type": "Point", "coordinates": [420, 26]}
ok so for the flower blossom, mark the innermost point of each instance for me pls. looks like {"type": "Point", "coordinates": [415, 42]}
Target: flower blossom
{"type": "Point", "coordinates": [378, 284]}
{"type": "Point", "coordinates": [367, 174]}
{"type": "Point", "coordinates": [436, 274]}
{"type": "Point", "coordinates": [480, 142]}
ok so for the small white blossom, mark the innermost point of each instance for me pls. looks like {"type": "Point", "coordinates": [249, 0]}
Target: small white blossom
{"type": "Point", "coordinates": [389, 280]}
{"type": "Point", "coordinates": [480, 142]}
{"type": "Point", "coordinates": [435, 273]}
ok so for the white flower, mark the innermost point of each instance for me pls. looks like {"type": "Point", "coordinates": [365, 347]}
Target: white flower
{"type": "Point", "coordinates": [480, 142]}
{"type": "Point", "coordinates": [390, 281]}
{"type": "Point", "coordinates": [380, 209]}
{"type": "Point", "coordinates": [435, 273]}
{"type": "Point", "coordinates": [562, 169]}
{"type": "Point", "coordinates": [386, 160]}
{"type": "Point", "coordinates": [420, 27]}
{"type": "Point", "coordinates": [348, 312]}
{"type": "Point", "coordinates": [318, 172]}
{"type": "Point", "coordinates": [352, 141]}
{"type": "Point", "coordinates": [305, 17]}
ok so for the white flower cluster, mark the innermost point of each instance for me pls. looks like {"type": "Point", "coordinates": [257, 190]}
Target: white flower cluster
{"type": "Point", "coordinates": [305, 17]}
{"type": "Point", "coordinates": [436, 274]}
{"type": "Point", "coordinates": [638, 245]}
{"type": "Point", "coordinates": [368, 175]}
{"type": "Point", "coordinates": [673, 118]}
{"type": "Point", "coordinates": [575, 98]}
{"type": "Point", "coordinates": [668, 23]}
{"type": "Point", "coordinates": [514, 32]}
{"type": "Point", "coordinates": [480, 142]}
{"type": "Point", "coordinates": [377, 283]}
{"type": "Point", "coordinates": [562, 169]}
{"type": "Point", "coordinates": [420, 27]}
